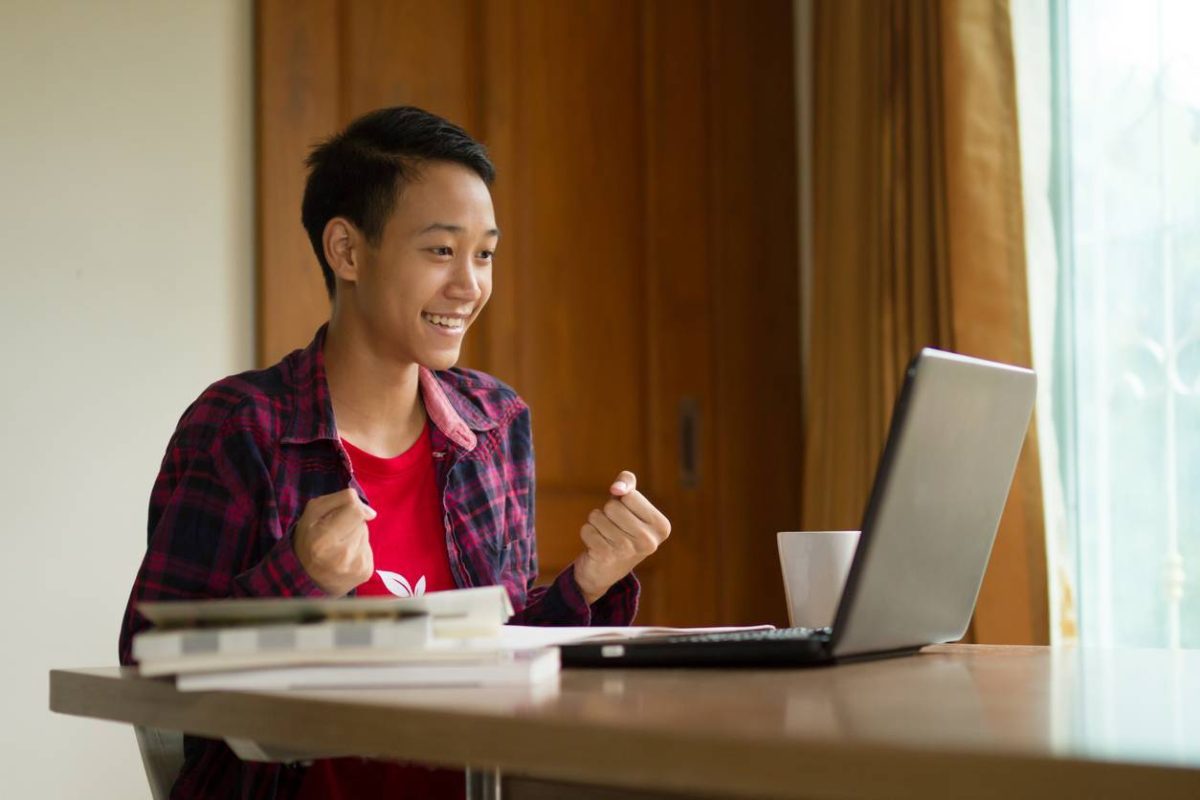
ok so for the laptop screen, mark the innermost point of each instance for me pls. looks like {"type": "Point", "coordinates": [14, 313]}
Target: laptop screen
{"type": "Point", "coordinates": [940, 488]}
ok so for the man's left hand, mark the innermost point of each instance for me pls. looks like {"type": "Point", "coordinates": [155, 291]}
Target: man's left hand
{"type": "Point", "coordinates": [618, 537]}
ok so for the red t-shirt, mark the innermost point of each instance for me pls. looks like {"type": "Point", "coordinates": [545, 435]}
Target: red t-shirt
{"type": "Point", "coordinates": [408, 538]}
{"type": "Point", "coordinates": [408, 541]}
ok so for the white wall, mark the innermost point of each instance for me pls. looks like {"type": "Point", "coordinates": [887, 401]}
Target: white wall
{"type": "Point", "coordinates": [126, 226]}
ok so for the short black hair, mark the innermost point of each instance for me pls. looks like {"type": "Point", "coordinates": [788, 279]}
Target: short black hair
{"type": "Point", "coordinates": [358, 173]}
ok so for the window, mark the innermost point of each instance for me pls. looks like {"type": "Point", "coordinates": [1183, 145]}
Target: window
{"type": "Point", "coordinates": [1110, 106]}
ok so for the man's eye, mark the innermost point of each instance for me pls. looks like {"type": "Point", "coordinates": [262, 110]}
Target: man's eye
{"type": "Point", "coordinates": [442, 251]}
{"type": "Point", "coordinates": [487, 255]}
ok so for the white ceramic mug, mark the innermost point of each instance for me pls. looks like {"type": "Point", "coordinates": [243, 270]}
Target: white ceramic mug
{"type": "Point", "coordinates": [814, 564]}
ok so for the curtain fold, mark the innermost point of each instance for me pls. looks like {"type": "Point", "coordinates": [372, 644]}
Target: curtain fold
{"type": "Point", "coordinates": [917, 240]}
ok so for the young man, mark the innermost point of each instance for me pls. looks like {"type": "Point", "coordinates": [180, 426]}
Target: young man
{"type": "Point", "coordinates": [364, 462]}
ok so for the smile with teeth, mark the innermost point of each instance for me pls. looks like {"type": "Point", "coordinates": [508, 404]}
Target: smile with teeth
{"type": "Point", "coordinates": [447, 323]}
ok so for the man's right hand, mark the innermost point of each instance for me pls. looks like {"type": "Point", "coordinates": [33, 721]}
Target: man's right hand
{"type": "Point", "coordinates": [332, 542]}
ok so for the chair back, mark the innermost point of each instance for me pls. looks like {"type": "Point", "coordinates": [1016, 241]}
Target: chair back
{"type": "Point", "coordinates": [162, 756]}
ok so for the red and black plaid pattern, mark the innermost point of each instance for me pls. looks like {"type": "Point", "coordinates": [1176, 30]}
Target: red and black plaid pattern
{"type": "Point", "coordinates": [254, 448]}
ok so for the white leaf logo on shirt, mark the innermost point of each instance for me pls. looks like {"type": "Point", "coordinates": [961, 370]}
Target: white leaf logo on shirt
{"type": "Point", "coordinates": [398, 585]}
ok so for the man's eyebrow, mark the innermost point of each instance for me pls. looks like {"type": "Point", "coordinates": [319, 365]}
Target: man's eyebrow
{"type": "Point", "coordinates": [448, 228]}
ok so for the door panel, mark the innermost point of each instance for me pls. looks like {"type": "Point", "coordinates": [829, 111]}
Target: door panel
{"type": "Point", "coordinates": [411, 52]}
{"type": "Point", "coordinates": [676, 56]}
{"type": "Point", "coordinates": [580, 337]}
{"type": "Point", "coordinates": [296, 104]}
{"type": "Point", "coordinates": [756, 285]}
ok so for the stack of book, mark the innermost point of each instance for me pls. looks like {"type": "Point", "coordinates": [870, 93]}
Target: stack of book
{"type": "Point", "coordinates": [449, 638]}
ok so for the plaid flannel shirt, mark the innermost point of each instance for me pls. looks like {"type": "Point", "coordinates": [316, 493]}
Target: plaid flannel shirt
{"type": "Point", "coordinates": [254, 448]}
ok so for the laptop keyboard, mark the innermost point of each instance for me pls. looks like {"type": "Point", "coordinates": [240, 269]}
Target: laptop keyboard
{"type": "Point", "coordinates": [768, 635]}
{"type": "Point", "coordinates": [772, 647]}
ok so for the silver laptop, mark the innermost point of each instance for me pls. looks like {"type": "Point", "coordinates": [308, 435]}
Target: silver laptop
{"type": "Point", "coordinates": [940, 488]}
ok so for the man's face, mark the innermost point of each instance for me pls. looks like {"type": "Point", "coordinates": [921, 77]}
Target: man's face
{"type": "Point", "coordinates": [431, 274]}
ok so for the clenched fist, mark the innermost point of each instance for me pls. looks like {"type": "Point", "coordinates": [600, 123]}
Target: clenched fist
{"type": "Point", "coordinates": [332, 543]}
{"type": "Point", "coordinates": [617, 537]}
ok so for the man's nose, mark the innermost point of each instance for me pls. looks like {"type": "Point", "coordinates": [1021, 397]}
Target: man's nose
{"type": "Point", "coordinates": [465, 282]}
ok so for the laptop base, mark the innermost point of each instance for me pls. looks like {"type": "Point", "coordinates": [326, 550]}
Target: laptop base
{"type": "Point", "coordinates": [765, 650]}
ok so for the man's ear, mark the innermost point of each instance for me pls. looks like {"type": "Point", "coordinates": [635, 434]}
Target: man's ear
{"type": "Point", "coordinates": [344, 248]}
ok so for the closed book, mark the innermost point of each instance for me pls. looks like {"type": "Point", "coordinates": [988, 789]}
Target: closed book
{"type": "Point", "coordinates": [200, 649]}
{"type": "Point", "coordinates": [477, 611]}
{"type": "Point", "coordinates": [522, 668]}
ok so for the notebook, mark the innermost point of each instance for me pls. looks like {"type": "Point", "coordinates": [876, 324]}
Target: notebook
{"type": "Point", "coordinates": [521, 668]}
{"type": "Point", "coordinates": [940, 487]}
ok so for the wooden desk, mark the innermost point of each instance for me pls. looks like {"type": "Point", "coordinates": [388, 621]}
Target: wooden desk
{"type": "Point", "coordinates": [955, 721]}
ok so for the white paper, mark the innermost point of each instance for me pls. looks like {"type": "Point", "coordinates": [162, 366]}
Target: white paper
{"type": "Point", "coordinates": [523, 637]}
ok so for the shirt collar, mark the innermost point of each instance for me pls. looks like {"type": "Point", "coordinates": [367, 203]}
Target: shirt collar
{"type": "Point", "coordinates": [450, 411]}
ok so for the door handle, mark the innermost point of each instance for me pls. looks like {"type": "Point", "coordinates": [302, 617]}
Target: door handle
{"type": "Point", "coordinates": [689, 445]}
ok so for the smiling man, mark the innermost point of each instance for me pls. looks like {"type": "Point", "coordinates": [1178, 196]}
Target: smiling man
{"type": "Point", "coordinates": [366, 462]}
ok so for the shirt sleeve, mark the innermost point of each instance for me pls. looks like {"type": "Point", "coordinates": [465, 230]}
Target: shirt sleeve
{"type": "Point", "coordinates": [213, 530]}
{"type": "Point", "coordinates": [561, 602]}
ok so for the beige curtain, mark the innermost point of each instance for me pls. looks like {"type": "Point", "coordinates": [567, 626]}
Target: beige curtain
{"type": "Point", "coordinates": [917, 240]}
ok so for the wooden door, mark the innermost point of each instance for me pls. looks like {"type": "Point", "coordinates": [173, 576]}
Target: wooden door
{"type": "Point", "coordinates": [646, 290]}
